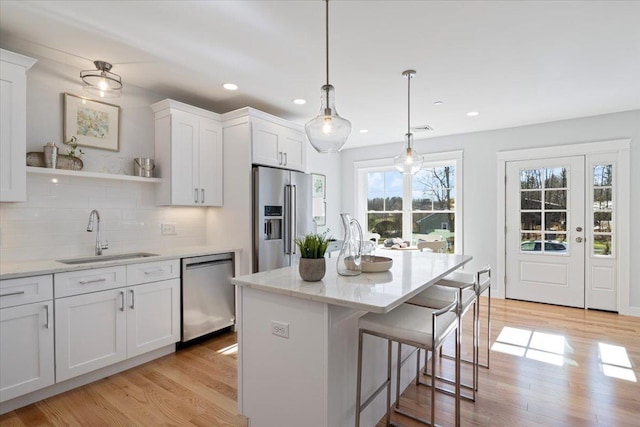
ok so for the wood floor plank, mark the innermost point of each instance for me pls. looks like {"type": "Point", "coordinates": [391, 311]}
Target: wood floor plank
{"type": "Point", "coordinates": [197, 386]}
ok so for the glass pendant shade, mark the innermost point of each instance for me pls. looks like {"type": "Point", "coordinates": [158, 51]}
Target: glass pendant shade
{"type": "Point", "coordinates": [328, 132]}
{"type": "Point", "coordinates": [409, 161]}
{"type": "Point", "coordinates": [101, 81]}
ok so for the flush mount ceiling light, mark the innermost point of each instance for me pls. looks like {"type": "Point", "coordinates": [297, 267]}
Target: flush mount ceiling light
{"type": "Point", "coordinates": [409, 161]}
{"type": "Point", "coordinates": [472, 113]}
{"type": "Point", "coordinates": [299, 101]}
{"type": "Point", "coordinates": [230, 86]}
{"type": "Point", "coordinates": [327, 132]}
{"type": "Point", "coordinates": [101, 81]}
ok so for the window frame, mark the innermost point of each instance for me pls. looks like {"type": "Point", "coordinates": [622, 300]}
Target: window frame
{"type": "Point", "coordinates": [364, 167]}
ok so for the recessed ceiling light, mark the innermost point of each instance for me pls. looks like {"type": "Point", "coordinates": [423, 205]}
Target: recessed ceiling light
{"type": "Point", "coordinates": [438, 103]}
{"type": "Point", "coordinates": [230, 86]}
{"type": "Point", "coordinates": [472, 113]}
{"type": "Point", "coordinates": [299, 101]}
{"type": "Point", "coordinates": [364, 130]}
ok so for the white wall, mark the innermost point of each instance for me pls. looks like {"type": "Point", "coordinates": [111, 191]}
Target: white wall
{"type": "Point", "coordinates": [52, 222]}
{"type": "Point", "coordinates": [480, 174]}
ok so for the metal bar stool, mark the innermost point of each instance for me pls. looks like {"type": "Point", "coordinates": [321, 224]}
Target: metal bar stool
{"type": "Point", "coordinates": [415, 326]}
{"type": "Point", "coordinates": [482, 285]}
{"type": "Point", "coordinates": [437, 297]}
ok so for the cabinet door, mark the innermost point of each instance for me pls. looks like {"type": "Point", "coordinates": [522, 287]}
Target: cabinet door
{"type": "Point", "coordinates": [90, 332]}
{"type": "Point", "coordinates": [293, 147]}
{"type": "Point", "coordinates": [210, 163]}
{"type": "Point", "coordinates": [265, 143]}
{"type": "Point", "coordinates": [13, 133]}
{"type": "Point", "coordinates": [184, 159]}
{"type": "Point", "coordinates": [26, 349]}
{"type": "Point", "coordinates": [153, 316]}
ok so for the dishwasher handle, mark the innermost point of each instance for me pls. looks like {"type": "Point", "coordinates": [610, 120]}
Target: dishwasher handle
{"type": "Point", "coordinates": [203, 264]}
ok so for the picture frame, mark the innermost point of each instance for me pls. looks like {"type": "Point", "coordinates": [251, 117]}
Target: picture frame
{"type": "Point", "coordinates": [318, 198]}
{"type": "Point", "coordinates": [318, 185]}
{"type": "Point", "coordinates": [94, 123]}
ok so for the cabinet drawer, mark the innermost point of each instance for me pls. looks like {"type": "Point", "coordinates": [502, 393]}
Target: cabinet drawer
{"type": "Point", "coordinates": [153, 271]}
{"type": "Point", "coordinates": [84, 281]}
{"type": "Point", "coordinates": [25, 290]}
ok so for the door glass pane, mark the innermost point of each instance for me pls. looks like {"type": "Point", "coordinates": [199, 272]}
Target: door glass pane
{"type": "Point", "coordinates": [530, 221]}
{"type": "Point", "coordinates": [555, 199]}
{"type": "Point", "coordinates": [602, 175]}
{"type": "Point", "coordinates": [555, 178]}
{"type": "Point", "coordinates": [555, 243]}
{"type": "Point", "coordinates": [555, 221]}
{"type": "Point", "coordinates": [602, 245]}
{"type": "Point", "coordinates": [603, 210]}
{"type": "Point", "coordinates": [530, 242]}
{"type": "Point", "coordinates": [530, 179]}
{"type": "Point", "coordinates": [530, 199]}
{"type": "Point", "coordinates": [602, 221]}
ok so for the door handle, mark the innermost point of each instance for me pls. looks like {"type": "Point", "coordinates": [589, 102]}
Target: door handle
{"type": "Point", "coordinates": [121, 301]}
{"type": "Point", "coordinates": [46, 309]}
{"type": "Point", "coordinates": [195, 195]}
{"type": "Point", "coordinates": [579, 239]}
{"type": "Point", "coordinates": [202, 193]}
{"type": "Point", "coordinates": [133, 296]}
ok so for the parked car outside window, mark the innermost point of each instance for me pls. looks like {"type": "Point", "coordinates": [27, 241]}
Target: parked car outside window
{"type": "Point", "coordinates": [549, 246]}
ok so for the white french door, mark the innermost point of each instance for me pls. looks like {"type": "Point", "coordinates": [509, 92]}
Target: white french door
{"type": "Point", "coordinates": [545, 230]}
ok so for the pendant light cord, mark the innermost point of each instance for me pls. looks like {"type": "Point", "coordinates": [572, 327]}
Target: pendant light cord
{"type": "Point", "coordinates": [409, 103]}
{"type": "Point", "coordinates": [327, 37]}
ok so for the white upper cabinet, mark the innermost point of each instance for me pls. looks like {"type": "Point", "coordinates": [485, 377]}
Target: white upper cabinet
{"type": "Point", "coordinates": [188, 155]}
{"type": "Point", "coordinates": [13, 125]}
{"type": "Point", "coordinates": [274, 141]}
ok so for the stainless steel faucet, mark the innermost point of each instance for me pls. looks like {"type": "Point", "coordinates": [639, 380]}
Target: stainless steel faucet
{"type": "Point", "coordinates": [99, 245]}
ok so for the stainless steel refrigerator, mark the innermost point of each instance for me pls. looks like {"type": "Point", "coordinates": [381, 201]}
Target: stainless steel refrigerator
{"type": "Point", "coordinates": [281, 212]}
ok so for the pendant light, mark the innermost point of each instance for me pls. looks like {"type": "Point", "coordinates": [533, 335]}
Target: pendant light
{"type": "Point", "coordinates": [101, 81]}
{"type": "Point", "coordinates": [409, 161]}
{"type": "Point", "coordinates": [327, 132]}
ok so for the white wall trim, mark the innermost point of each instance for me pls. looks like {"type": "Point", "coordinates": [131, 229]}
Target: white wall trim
{"type": "Point", "coordinates": [621, 148]}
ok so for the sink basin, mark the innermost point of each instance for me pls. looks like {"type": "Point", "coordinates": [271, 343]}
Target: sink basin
{"type": "Point", "coordinates": [103, 258]}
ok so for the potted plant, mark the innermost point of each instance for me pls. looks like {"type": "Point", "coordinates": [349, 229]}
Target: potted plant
{"type": "Point", "coordinates": [312, 266]}
{"type": "Point", "coordinates": [73, 155]}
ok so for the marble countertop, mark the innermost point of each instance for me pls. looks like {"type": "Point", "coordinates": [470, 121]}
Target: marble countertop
{"type": "Point", "coordinates": [412, 272]}
{"type": "Point", "coordinates": [13, 270]}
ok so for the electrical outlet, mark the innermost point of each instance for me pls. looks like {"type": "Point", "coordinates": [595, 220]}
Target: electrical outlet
{"type": "Point", "coordinates": [280, 329]}
{"type": "Point", "coordinates": [168, 229]}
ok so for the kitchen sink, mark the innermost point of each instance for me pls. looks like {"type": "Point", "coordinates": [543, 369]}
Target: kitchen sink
{"type": "Point", "coordinates": [103, 258]}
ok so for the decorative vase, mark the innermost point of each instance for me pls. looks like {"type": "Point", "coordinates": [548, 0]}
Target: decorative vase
{"type": "Point", "coordinates": [350, 259]}
{"type": "Point", "coordinates": [312, 269]}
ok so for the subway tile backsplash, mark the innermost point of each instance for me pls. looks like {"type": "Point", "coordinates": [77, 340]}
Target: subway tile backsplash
{"type": "Point", "coordinates": [52, 223]}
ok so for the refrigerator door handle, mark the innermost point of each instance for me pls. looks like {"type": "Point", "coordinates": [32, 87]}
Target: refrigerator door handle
{"type": "Point", "coordinates": [290, 219]}
{"type": "Point", "coordinates": [293, 219]}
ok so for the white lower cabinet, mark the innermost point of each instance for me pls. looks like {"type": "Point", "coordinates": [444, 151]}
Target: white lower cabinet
{"type": "Point", "coordinates": [90, 332]}
{"type": "Point", "coordinates": [153, 316]}
{"type": "Point", "coordinates": [26, 349]}
{"type": "Point", "coordinates": [107, 315]}
{"type": "Point", "coordinates": [102, 328]}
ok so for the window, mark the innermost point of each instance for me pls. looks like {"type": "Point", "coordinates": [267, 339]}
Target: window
{"type": "Point", "coordinates": [602, 209]}
{"type": "Point", "coordinates": [422, 206]}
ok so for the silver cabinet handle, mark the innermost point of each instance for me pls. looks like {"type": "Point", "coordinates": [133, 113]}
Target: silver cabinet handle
{"type": "Point", "coordinates": [133, 296]}
{"type": "Point", "coordinates": [195, 195]}
{"type": "Point", "coordinates": [86, 282]}
{"type": "Point", "coordinates": [156, 271]}
{"type": "Point", "coordinates": [12, 294]}
{"type": "Point", "coordinates": [279, 157]}
{"type": "Point", "coordinates": [121, 301]}
{"type": "Point", "coordinates": [202, 192]}
{"type": "Point", "coordinates": [286, 160]}
{"type": "Point", "coordinates": [46, 308]}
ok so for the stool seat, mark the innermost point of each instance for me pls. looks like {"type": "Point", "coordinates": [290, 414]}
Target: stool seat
{"type": "Point", "coordinates": [437, 296]}
{"type": "Point", "coordinates": [410, 324]}
{"type": "Point", "coordinates": [457, 279]}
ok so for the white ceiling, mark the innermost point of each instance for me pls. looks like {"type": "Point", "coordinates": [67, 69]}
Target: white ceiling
{"type": "Point", "coordinates": [516, 62]}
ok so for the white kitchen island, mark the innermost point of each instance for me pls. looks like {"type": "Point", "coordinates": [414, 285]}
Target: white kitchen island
{"type": "Point", "coordinates": [298, 340]}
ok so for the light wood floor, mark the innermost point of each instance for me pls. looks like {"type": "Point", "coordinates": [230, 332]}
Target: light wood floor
{"type": "Point", "coordinates": [569, 386]}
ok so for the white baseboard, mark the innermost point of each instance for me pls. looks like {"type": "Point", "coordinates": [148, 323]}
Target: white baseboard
{"type": "Point", "coordinates": [634, 311]}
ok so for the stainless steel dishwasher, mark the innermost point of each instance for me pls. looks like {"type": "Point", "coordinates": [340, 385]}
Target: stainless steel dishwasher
{"type": "Point", "coordinates": [208, 296]}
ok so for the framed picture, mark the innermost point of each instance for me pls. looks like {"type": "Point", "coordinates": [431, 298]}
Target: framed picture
{"type": "Point", "coordinates": [318, 196]}
{"type": "Point", "coordinates": [94, 123]}
{"type": "Point", "coordinates": [318, 183]}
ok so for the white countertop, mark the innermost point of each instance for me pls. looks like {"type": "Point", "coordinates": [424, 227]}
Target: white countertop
{"type": "Point", "coordinates": [12, 270]}
{"type": "Point", "coordinates": [412, 272]}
